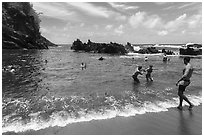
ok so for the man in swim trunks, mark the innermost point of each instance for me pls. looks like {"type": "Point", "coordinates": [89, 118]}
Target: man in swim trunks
{"type": "Point", "coordinates": [184, 81]}
{"type": "Point", "coordinates": [137, 72]}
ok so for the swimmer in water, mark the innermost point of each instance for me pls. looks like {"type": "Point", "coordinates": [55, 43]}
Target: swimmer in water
{"type": "Point", "coordinates": [146, 59]}
{"type": "Point", "coordinates": [83, 66]}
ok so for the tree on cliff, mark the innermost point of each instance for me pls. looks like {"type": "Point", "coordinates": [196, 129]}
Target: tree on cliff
{"type": "Point", "coordinates": [20, 27]}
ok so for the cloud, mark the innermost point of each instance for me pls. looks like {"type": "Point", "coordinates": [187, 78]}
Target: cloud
{"type": "Point", "coordinates": [82, 24]}
{"type": "Point", "coordinates": [195, 21]}
{"type": "Point", "coordinates": [175, 24]}
{"type": "Point", "coordinates": [108, 27]}
{"type": "Point", "coordinates": [116, 5]}
{"type": "Point", "coordinates": [136, 19]}
{"type": "Point", "coordinates": [53, 10]}
{"type": "Point", "coordinates": [120, 17]}
{"type": "Point", "coordinates": [119, 30]}
{"type": "Point", "coordinates": [187, 5]}
{"type": "Point", "coordinates": [162, 33]}
{"type": "Point", "coordinates": [152, 21]}
{"type": "Point", "coordinates": [161, 3]}
{"type": "Point", "coordinates": [96, 26]}
{"type": "Point", "coordinates": [91, 9]}
{"type": "Point", "coordinates": [156, 23]}
{"type": "Point", "coordinates": [183, 32]}
{"type": "Point", "coordinates": [122, 6]}
{"type": "Point", "coordinates": [143, 19]}
{"type": "Point", "coordinates": [131, 7]}
{"type": "Point", "coordinates": [168, 8]}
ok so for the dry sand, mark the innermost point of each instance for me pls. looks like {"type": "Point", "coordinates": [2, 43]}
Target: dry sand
{"type": "Point", "coordinates": [172, 122]}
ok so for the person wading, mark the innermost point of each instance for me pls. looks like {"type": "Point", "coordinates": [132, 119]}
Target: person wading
{"type": "Point", "coordinates": [183, 82]}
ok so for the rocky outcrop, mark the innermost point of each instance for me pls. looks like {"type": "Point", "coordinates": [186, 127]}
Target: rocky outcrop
{"type": "Point", "coordinates": [129, 47]}
{"type": "Point", "coordinates": [20, 27]}
{"type": "Point", "coordinates": [110, 48]}
{"type": "Point", "coordinates": [148, 50]}
{"type": "Point", "coordinates": [191, 49]}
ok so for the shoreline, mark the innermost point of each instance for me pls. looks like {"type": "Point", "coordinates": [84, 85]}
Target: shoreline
{"type": "Point", "coordinates": [171, 122]}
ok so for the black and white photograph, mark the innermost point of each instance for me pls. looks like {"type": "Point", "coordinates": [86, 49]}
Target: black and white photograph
{"type": "Point", "coordinates": [101, 68]}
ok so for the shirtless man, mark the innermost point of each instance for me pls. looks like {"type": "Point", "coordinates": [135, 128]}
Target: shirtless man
{"type": "Point", "coordinates": [137, 72]}
{"type": "Point", "coordinates": [183, 82]}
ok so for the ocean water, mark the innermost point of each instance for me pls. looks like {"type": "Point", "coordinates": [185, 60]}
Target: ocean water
{"type": "Point", "coordinates": [41, 94]}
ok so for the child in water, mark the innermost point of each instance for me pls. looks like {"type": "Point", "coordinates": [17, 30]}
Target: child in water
{"type": "Point", "coordinates": [149, 71]}
{"type": "Point", "coordinates": [146, 59]}
{"type": "Point", "coordinates": [165, 58]}
{"type": "Point", "coordinates": [83, 66]}
{"type": "Point", "coordinates": [137, 72]}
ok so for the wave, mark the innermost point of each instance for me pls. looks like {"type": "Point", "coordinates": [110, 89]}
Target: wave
{"type": "Point", "coordinates": [111, 108]}
{"type": "Point", "coordinates": [169, 46]}
{"type": "Point", "coordinates": [138, 55]}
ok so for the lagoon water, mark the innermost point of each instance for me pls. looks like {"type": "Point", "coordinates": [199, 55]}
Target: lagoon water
{"type": "Point", "coordinates": [41, 94]}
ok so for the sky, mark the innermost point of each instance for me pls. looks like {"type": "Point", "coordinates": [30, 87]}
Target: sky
{"type": "Point", "coordinates": [121, 22]}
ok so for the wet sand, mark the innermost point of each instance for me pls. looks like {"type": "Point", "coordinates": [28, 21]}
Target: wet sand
{"type": "Point", "coordinates": [172, 122]}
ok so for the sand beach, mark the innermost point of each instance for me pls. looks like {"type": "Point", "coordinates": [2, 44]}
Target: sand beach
{"type": "Point", "coordinates": [172, 122]}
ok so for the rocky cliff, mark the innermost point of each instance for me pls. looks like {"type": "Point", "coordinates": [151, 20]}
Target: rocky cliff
{"type": "Point", "coordinates": [110, 48]}
{"type": "Point", "coordinates": [20, 27]}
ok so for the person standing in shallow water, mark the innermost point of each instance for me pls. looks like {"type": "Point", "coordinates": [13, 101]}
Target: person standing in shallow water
{"type": "Point", "coordinates": [183, 82]}
{"type": "Point", "coordinates": [149, 71]}
{"type": "Point", "coordinates": [137, 72]}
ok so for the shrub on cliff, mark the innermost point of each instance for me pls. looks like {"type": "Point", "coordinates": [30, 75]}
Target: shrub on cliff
{"type": "Point", "coordinates": [20, 27]}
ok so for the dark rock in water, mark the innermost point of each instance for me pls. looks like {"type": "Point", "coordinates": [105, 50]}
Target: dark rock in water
{"type": "Point", "coordinates": [101, 58]}
{"type": "Point", "coordinates": [168, 52]}
{"type": "Point", "coordinates": [148, 50]}
{"type": "Point", "coordinates": [20, 27]}
{"type": "Point", "coordinates": [110, 48]}
{"type": "Point", "coordinates": [191, 49]}
{"type": "Point", "coordinates": [129, 48]}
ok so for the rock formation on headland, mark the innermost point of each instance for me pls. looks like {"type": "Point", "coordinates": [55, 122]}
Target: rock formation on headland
{"type": "Point", "coordinates": [110, 48]}
{"type": "Point", "coordinates": [20, 27]}
{"type": "Point", "coordinates": [191, 49]}
{"type": "Point", "coordinates": [114, 48]}
{"type": "Point", "coordinates": [146, 50]}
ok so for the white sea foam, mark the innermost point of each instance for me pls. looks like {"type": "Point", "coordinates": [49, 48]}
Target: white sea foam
{"type": "Point", "coordinates": [168, 46]}
{"type": "Point", "coordinates": [143, 55]}
{"type": "Point", "coordinates": [62, 118]}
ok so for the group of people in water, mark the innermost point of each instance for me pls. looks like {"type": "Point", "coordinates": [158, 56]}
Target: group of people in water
{"type": "Point", "coordinates": [139, 71]}
{"type": "Point", "coordinates": [182, 83]}
{"type": "Point", "coordinates": [149, 70]}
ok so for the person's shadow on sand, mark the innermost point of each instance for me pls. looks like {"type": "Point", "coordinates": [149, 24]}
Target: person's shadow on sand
{"type": "Point", "coordinates": [184, 121]}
